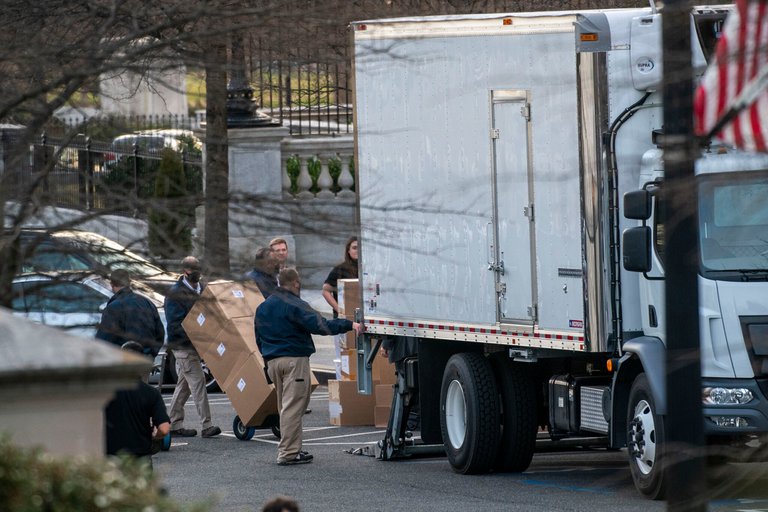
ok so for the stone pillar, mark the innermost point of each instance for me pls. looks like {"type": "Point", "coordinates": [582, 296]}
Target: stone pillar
{"type": "Point", "coordinates": [257, 210]}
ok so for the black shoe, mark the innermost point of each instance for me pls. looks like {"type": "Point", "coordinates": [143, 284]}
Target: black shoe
{"type": "Point", "coordinates": [184, 432]}
{"type": "Point", "coordinates": [211, 431]}
{"type": "Point", "coordinates": [308, 411]}
{"type": "Point", "coordinates": [301, 458]}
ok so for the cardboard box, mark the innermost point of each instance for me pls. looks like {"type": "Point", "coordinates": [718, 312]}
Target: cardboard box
{"type": "Point", "coordinates": [349, 340]}
{"type": "Point", "coordinates": [346, 406]}
{"type": "Point", "coordinates": [220, 302]}
{"type": "Point", "coordinates": [349, 297]}
{"type": "Point", "coordinates": [383, 371]}
{"type": "Point", "coordinates": [383, 394]}
{"type": "Point", "coordinates": [349, 365]}
{"type": "Point", "coordinates": [381, 416]}
{"type": "Point", "coordinates": [247, 389]}
{"type": "Point", "coordinates": [231, 346]}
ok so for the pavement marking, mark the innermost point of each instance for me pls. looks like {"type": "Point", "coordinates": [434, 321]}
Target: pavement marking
{"type": "Point", "coordinates": [355, 443]}
{"type": "Point", "coordinates": [379, 432]}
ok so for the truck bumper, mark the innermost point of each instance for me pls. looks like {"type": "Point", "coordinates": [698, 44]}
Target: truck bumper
{"type": "Point", "coordinates": [749, 419]}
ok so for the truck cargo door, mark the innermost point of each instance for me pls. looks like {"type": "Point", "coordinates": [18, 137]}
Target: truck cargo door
{"type": "Point", "coordinates": [511, 255]}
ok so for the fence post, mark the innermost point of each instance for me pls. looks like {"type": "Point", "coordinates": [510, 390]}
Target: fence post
{"type": "Point", "coordinates": [135, 180]}
{"type": "Point", "coordinates": [90, 194]}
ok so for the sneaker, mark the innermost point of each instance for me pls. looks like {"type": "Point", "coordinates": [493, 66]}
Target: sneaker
{"type": "Point", "coordinates": [211, 431]}
{"type": "Point", "coordinates": [184, 432]}
{"type": "Point", "coordinates": [301, 458]}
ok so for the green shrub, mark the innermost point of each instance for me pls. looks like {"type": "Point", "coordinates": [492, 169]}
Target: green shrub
{"type": "Point", "coordinates": [170, 215]}
{"type": "Point", "coordinates": [33, 481]}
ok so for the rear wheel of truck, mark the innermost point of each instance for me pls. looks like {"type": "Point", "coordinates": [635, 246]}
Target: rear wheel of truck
{"type": "Point", "coordinates": [469, 413]}
{"type": "Point", "coordinates": [519, 423]}
{"type": "Point", "coordinates": [645, 440]}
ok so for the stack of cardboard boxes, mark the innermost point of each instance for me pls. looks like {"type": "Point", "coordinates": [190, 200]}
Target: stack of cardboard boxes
{"type": "Point", "coordinates": [221, 327]}
{"type": "Point", "coordinates": [345, 405]}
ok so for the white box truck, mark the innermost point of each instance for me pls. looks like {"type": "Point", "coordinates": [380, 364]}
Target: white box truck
{"type": "Point", "coordinates": [508, 179]}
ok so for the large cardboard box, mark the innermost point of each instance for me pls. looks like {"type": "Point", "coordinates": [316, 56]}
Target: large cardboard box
{"type": "Point", "coordinates": [349, 297]}
{"type": "Point", "coordinates": [383, 394]}
{"type": "Point", "coordinates": [220, 302]}
{"type": "Point", "coordinates": [346, 406]}
{"type": "Point", "coordinates": [349, 364]}
{"type": "Point", "coordinates": [231, 347]}
{"type": "Point", "coordinates": [251, 396]}
{"type": "Point", "coordinates": [383, 371]}
{"type": "Point", "coordinates": [381, 415]}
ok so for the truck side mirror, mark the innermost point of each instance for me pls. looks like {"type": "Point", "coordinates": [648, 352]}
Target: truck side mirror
{"type": "Point", "coordinates": [636, 249]}
{"type": "Point", "coordinates": [637, 205]}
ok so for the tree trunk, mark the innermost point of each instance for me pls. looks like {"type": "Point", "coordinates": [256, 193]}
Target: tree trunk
{"type": "Point", "coordinates": [216, 252]}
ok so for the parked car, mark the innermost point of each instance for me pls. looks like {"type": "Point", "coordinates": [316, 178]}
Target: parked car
{"type": "Point", "coordinates": [151, 142]}
{"type": "Point", "coordinates": [73, 301]}
{"type": "Point", "coordinates": [73, 250]}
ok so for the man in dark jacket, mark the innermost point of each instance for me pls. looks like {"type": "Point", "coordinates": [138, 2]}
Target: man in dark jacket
{"type": "Point", "coordinates": [284, 328]}
{"type": "Point", "coordinates": [189, 370]}
{"type": "Point", "coordinates": [264, 271]}
{"type": "Point", "coordinates": [135, 417]}
{"type": "Point", "coordinates": [130, 317]}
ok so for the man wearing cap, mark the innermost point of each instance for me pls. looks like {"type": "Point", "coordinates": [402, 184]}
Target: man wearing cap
{"type": "Point", "coordinates": [190, 378]}
{"type": "Point", "coordinates": [130, 317]}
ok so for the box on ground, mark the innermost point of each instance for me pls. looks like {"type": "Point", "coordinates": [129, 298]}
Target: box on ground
{"type": "Point", "coordinates": [381, 415]}
{"type": "Point", "coordinates": [383, 394]}
{"type": "Point", "coordinates": [383, 371]}
{"type": "Point", "coordinates": [349, 364]}
{"type": "Point", "coordinates": [346, 406]}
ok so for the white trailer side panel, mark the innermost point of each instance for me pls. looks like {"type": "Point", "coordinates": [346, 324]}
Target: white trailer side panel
{"type": "Point", "coordinates": [426, 173]}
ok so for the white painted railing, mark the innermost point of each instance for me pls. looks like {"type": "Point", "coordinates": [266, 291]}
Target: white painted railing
{"type": "Point", "coordinates": [320, 168]}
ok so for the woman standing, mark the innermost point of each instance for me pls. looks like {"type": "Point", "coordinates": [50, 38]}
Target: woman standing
{"type": "Point", "coordinates": [345, 270]}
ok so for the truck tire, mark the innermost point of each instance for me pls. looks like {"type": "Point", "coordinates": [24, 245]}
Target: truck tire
{"type": "Point", "coordinates": [519, 423]}
{"type": "Point", "coordinates": [469, 413]}
{"type": "Point", "coordinates": [645, 440]}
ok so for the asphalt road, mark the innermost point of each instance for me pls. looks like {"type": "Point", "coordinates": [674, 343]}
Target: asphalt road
{"type": "Point", "coordinates": [241, 475]}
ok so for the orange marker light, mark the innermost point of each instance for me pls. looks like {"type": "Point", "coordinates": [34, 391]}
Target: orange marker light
{"type": "Point", "coordinates": [609, 365]}
{"type": "Point", "coordinates": [589, 38]}
{"type": "Point", "coordinates": [506, 21]}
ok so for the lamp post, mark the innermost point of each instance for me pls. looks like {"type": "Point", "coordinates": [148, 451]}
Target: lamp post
{"type": "Point", "coordinates": [241, 107]}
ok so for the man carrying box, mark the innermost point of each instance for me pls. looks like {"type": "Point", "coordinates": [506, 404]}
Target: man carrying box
{"type": "Point", "coordinates": [284, 327]}
{"type": "Point", "coordinates": [191, 380]}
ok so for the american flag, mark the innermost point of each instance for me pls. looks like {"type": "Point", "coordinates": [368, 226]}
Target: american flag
{"type": "Point", "coordinates": [731, 102]}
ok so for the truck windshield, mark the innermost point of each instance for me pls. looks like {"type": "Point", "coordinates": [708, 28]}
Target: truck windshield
{"type": "Point", "coordinates": [733, 226]}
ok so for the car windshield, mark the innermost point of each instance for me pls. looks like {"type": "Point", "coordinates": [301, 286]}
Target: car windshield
{"type": "Point", "coordinates": [733, 225]}
{"type": "Point", "coordinates": [113, 256]}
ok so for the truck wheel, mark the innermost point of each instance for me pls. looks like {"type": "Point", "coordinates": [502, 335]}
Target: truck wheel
{"type": "Point", "coordinates": [645, 440]}
{"type": "Point", "coordinates": [242, 432]}
{"type": "Point", "coordinates": [519, 423]}
{"type": "Point", "coordinates": [469, 413]}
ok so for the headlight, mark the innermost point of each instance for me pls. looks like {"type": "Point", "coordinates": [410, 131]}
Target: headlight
{"type": "Point", "coordinates": [726, 396]}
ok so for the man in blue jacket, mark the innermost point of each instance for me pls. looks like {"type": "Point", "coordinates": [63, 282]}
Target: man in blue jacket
{"type": "Point", "coordinates": [130, 317]}
{"type": "Point", "coordinates": [189, 370]}
{"type": "Point", "coordinates": [284, 328]}
{"type": "Point", "coordinates": [264, 271]}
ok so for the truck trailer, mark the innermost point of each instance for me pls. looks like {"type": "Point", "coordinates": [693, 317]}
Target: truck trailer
{"type": "Point", "coordinates": [508, 171]}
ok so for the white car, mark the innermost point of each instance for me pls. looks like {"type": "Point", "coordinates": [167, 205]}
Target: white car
{"type": "Point", "coordinates": [70, 301]}
{"type": "Point", "coordinates": [73, 301]}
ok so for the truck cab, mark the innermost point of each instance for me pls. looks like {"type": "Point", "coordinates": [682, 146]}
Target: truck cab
{"type": "Point", "coordinates": [732, 194]}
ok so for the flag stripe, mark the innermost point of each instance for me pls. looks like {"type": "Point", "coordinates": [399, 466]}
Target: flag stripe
{"type": "Point", "coordinates": [741, 53]}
